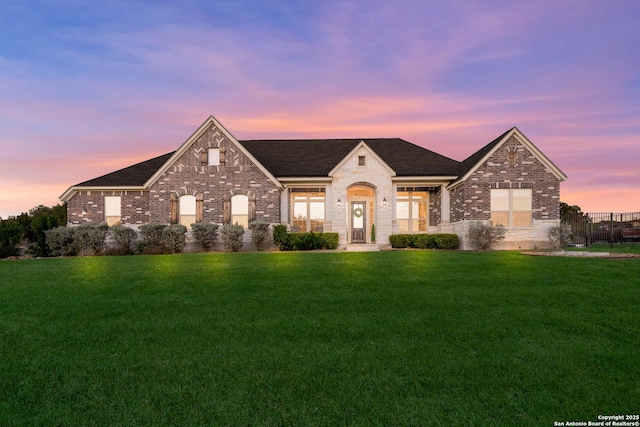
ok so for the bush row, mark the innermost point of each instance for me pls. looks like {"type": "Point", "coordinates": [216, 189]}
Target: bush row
{"type": "Point", "coordinates": [154, 238]}
{"type": "Point", "coordinates": [308, 241]}
{"type": "Point", "coordinates": [425, 241]}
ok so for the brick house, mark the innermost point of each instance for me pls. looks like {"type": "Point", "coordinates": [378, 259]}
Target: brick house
{"type": "Point", "coordinates": [336, 185]}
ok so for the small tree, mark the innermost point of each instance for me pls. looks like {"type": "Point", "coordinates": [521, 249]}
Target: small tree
{"type": "Point", "coordinates": [559, 236]}
{"type": "Point", "coordinates": [232, 237]}
{"type": "Point", "coordinates": [259, 234]}
{"type": "Point", "coordinates": [205, 233]}
{"type": "Point", "coordinates": [483, 236]}
{"type": "Point", "coordinates": [10, 236]}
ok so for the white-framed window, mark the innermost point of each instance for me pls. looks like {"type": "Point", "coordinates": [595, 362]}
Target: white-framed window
{"type": "Point", "coordinates": [187, 207]}
{"type": "Point", "coordinates": [308, 209]}
{"type": "Point", "coordinates": [412, 210]}
{"type": "Point", "coordinates": [112, 210]}
{"type": "Point", "coordinates": [511, 207]}
{"type": "Point", "coordinates": [240, 210]}
{"type": "Point", "coordinates": [362, 160]}
{"type": "Point", "coordinates": [214, 156]}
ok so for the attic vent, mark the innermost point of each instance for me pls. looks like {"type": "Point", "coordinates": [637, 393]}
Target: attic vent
{"type": "Point", "coordinates": [362, 160]}
{"type": "Point", "coordinates": [512, 156]}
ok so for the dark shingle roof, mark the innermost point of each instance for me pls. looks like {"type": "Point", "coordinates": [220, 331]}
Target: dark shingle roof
{"type": "Point", "coordinates": [132, 176]}
{"type": "Point", "coordinates": [317, 157]}
{"type": "Point", "coordinates": [467, 164]}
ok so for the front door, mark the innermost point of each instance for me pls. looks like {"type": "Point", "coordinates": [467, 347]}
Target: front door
{"type": "Point", "coordinates": [358, 222]}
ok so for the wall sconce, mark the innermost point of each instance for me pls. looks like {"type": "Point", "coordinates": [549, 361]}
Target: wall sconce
{"type": "Point", "coordinates": [339, 203]}
{"type": "Point", "coordinates": [384, 201]}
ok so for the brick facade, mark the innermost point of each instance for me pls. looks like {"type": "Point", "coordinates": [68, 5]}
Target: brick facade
{"type": "Point", "coordinates": [88, 206]}
{"type": "Point", "coordinates": [235, 175]}
{"type": "Point", "coordinates": [472, 199]}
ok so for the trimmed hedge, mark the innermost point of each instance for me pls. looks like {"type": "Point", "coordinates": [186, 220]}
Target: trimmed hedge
{"type": "Point", "coordinates": [308, 241]}
{"type": "Point", "coordinates": [425, 241]}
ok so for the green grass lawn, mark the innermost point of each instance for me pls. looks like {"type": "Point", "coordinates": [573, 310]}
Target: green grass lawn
{"type": "Point", "coordinates": [387, 338]}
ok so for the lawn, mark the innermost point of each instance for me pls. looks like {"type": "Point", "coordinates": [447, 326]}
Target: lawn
{"type": "Point", "coordinates": [387, 338]}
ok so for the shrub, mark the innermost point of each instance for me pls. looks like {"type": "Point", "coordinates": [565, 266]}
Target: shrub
{"type": "Point", "coordinates": [205, 233]}
{"type": "Point", "coordinates": [400, 240]}
{"type": "Point", "coordinates": [41, 219]}
{"type": "Point", "coordinates": [10, 236]}
{"type": "Point", "coordinates": [151, 235]}
{"type": "Point", "coordinates": [483, 236]}
{"type": "Point", "coordinates": [259, 234]}
{"type": "Point", "coordinates": [123, 238]}
{"type": "Point", "coordinates": [422, 241]}
{"type": "Point", "coordinates": [373, 232]}
{"type": "Point", "coordinates": [446, 241]}
{"type": "Point", "coordinates": [559, 236]}
{"type": "Point", "coordinates": [60, 241]}
{"type": "Point", "coordinates": [232, 237]}
{"type": "Point", "coordinates": [330, 240]}
{"type": "Point", "coordinates": [90, 236]}
{"type": "Point", "coordinates": [281, 237]}
{"type": "Point", "coordinates": [174, 238]}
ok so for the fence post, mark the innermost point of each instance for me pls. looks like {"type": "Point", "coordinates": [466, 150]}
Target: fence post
{"type": "Point", "coordinates": [611, 231]}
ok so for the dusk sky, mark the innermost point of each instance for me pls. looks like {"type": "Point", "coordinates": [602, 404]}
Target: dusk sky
{"type": "Point", "coordinates": [90, 87]}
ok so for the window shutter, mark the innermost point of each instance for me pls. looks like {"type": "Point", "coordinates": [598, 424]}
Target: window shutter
{"type": "Point", "coordinates": [252, 208]}
{"type": "Point", "coordinates": [174, 208]}
{"type": "Point", "coordinates": [199, 207]}
{"type": "Point", "coordinates": [226, 209]}
{"type": "Point", "coordinates": [204, 157]}
{"type": "Point", "coordinates": [223, 156]}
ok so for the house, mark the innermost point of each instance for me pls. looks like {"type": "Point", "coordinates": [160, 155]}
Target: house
{"type": "Point", "coordinates": [332, 185]}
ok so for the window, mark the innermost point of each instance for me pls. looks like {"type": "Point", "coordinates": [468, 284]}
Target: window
{"type": "Point", "coordinates": [240, 210]}
{"type": "Point", "coordinates": [411, 211]}
{"type": "Point", "coordinates": [112, 210]}
{"type": "Point", "coordinates": [308, 205]}
{"type": "Point", "coordinates": [511, 207]}
{"type": "Point", "coordinates": [362, 160]}
{"type": "Point", "coordinates": [214, 156]}
{"type": "Point", "coordinates": [187, 210]}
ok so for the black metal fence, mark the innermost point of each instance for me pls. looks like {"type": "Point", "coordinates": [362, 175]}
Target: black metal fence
{"type": "Point", "coordinates": [604, 228]}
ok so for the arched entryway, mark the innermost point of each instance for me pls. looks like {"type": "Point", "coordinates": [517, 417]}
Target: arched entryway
{"type": "Point", "coordinates": [361, 199]}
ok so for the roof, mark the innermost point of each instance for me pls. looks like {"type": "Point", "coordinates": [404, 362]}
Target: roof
{"type": "Point", "coordinates": [132, 176]}
{"type": "Point", "coordinates": [317, 157]}
{"type": "Point", "coordinates": [467, 164]}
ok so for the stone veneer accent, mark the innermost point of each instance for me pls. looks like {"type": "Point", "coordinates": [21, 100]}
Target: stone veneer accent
{"type": "Point", "coordinates": [377, 175]}
{"type": "Point", "coordinates": [237, 175]}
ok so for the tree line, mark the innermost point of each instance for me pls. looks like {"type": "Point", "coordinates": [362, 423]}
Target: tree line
{"type": "Point", "coordinates": [29, 228]}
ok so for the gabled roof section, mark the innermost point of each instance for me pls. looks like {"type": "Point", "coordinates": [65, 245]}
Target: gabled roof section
{"type": "Point", "coordinates": [469, 165]}
{"type": "Point", "coordinates": [133, 176]}
{"type": "Point", "coordinates": [194, 137]}
{"type": "Point", "coordinates": [317, 157]}
{"type": "Point", "coordinates": [362, 144]}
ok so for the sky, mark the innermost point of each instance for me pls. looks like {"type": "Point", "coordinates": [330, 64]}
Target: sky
{"type": "Point", "coordinates": [90, 87]}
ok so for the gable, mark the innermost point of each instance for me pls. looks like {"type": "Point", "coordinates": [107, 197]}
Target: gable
{"type": "Point", "coordinates": [210, 134]}
{"type": "Point", "coordinates": [472, 163]}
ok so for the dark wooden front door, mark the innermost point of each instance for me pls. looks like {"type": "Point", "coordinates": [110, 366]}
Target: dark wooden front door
{"type": "Point", "coordinates": [358, 222]}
